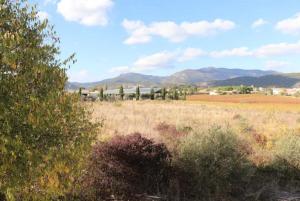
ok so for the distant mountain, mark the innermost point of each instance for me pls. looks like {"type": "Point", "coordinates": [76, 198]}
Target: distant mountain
{"type": "Point", "coordinates": [276, 80]}
{"type": "Point", "coordinates": [132, 79]}
{"type": "Point", "coordinates": [201, 76]}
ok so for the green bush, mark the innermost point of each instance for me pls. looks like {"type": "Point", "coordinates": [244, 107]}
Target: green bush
{"type": "Point", "coordinates": [214, 165]}
{"type": "Point", "coordinates": [44, 132]}
{"type": "Point", "coordinates": [287, 157]}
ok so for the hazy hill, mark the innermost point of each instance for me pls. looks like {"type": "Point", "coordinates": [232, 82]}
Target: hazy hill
{"type": "Point", "coordinates": [276, 80]}
{"type": "Point", "coordinates": [191, 76]}
{"type": "Point", "coordinates": [202, 75]}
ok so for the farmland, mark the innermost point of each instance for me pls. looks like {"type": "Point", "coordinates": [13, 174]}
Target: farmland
{"type": "Point", "coordinates": [249, 98]}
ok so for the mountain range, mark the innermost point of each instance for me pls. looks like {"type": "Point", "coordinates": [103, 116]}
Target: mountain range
{"type": "Point", "coordinates": [209, 76]}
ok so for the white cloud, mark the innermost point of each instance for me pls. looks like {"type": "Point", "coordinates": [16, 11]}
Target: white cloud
{"type": "Point", "coordinates": [141, 33]}
{"type": "Point", "coordinates": [273, 64]}
{"type": "Point", "coordinates": [163, 59]}
{"type": "Point", "coordinates": [191, 53]}
{"type": "Point", "coordinates": [86, 12]}
{"type": "Point", "coordinates": [278, 49]}
{"type": "Point", "coordinates": [290, 25]}
{"type": "Point", "coordinates": [167, 59]}
{"type": "Point", "coordinates": [43, 15]}
{"type": "Point", "coordinates": [154, 61]}
{"type": "Point", "coordinates": [119, 70]}
{"type": "Point", "coordinates": [238, 52]}
{"type": "Point", "coordinates": [259, 22]}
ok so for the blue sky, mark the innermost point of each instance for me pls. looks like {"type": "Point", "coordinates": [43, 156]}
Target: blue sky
{"type": "Point", "coordinates": [161, 37]}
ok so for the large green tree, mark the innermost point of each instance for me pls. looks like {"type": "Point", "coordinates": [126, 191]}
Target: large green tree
{"type": "Point", "coordinates": [44, 132]}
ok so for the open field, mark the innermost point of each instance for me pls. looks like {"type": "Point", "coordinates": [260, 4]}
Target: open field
{"type": "Point", "coordinates": [131, 116]}
{"type": "Point", "coordinates": [269, 120]}
{"type": "Point", "coordinates": [246, 99]}
{"type": "Point", "coordinates": [263, 129]}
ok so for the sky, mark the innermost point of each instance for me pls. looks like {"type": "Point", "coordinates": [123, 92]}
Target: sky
{"type": "Point", "coordinates": [160, 37]}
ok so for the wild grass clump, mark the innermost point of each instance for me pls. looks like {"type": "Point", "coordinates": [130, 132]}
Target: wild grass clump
{"type": "Point", "coordinates": [215, 166]}
{"type": "Point", "coordinates": [211, 164]}
{"type": "Point", "coordinates": [287, 156]}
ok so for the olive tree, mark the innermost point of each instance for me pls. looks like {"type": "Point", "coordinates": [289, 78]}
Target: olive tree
{"type": "Point", "coordinates": [44, 132]}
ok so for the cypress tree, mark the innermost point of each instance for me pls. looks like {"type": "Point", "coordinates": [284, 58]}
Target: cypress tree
{"type": "Point", "coordinates": [152, 94]}
{"type": "Point", "coordinates": [121, 92]}
{"type": "Point", "coordinates": [137, 93]}
{"type": "Point", "coordinates": [101, 96]}
{"type": "Point", "coordinates": [164, 93]}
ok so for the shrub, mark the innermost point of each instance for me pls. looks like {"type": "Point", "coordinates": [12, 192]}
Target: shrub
{"type": "Point", "coordinates": [121, 92]}
{"type": "Point", "coordinates": [126, 166]}
{"type": "Point", "coordinates": [287, 153]}
{"type": "Point", "coordinates": [164, 93]}
{"type": "Point", "coordinates": [137, 93]}
{"type": "Point", "coordinates": [41, 126]}
{"type": "Point", "coordinates": [213, 165]}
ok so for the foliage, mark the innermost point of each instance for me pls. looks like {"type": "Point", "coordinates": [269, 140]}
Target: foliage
{"type": "Point", "coordinates": [152, 94]}
{"type": "Point", "coordinates": [245, 89]}
{"type": "Point", "coordinates": [43, 131]}
{"type": "Point", "coordinates": [80, 91]}
{"type": "Point", "coordinates": [213, 164]}
{"type": "Point", "coordinates": [126, 166]}
{"type": "Point", "coordinates": [137, 93]}
{"type": "Point", "coordinates": [121, 92]}
{"type": "Point", "coordinates": [287, 150]}
{"type": "Point", "coordinates": [101, 95]}
{"type": "Point", "coordinates": [164, 93]}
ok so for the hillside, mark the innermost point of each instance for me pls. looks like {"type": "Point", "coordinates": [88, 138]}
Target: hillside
{"type": "Point", "coordinates": [203, 75]}
{"type": "Point", "coordinates": [277, 80]}
{"type": "Point", "coordinates": [186, 77]}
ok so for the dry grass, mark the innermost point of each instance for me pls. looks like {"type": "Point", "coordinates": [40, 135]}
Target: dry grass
{"type": "Point", "coordinates": [131, 116]}
{"type": "Point", "coordinates": [257, 98]}
{"type": "Point", "coordinates": [259, 125]}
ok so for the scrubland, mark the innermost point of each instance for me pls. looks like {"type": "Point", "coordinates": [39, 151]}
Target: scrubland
{"type": "Point", "coordinates": [268, 120]}
{"type": "Point", "coordinates": [228, 151]}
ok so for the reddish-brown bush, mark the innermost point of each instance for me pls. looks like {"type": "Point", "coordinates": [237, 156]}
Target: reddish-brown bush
{"type": "Point", "coordinates": [126, 166]}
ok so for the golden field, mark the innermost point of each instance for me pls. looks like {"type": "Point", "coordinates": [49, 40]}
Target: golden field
{"type": "Point", "coordinates": [258, 125]}
{"type": "Point", "coordinates": [247, 98]}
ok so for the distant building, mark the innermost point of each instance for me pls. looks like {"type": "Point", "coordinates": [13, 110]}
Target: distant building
{"type": "Point", "coordinates": [293, 91]}
{"type": "Point", "coordinates": [214, 93]}
{"type": "Point", "coordinates": [277, 91]}
{"type": "Point", "coordinates": [129, 94]}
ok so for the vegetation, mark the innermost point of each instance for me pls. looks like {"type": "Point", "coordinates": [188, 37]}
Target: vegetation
{"type": "Point", "coordinates": [101, 95]}
{"type": "Point", "coordinates": [126, 167]}
{"type": "Point", "coordinates": [152, 94]}
{"type": "Point", "coordinates": [121, 92]}
{"type": "Point", "coordinates": [164, 93]}
{"type": "Point", "coordinates": [44, 133]}
{"type": "Point", "coordinates": [137, 93]}
{"type": "Point", "coordinates": [216, 164]}
{"type": "Point", "coordinates": [251, 155]}
{"type": "Point", "coordinates": [187, 150]}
